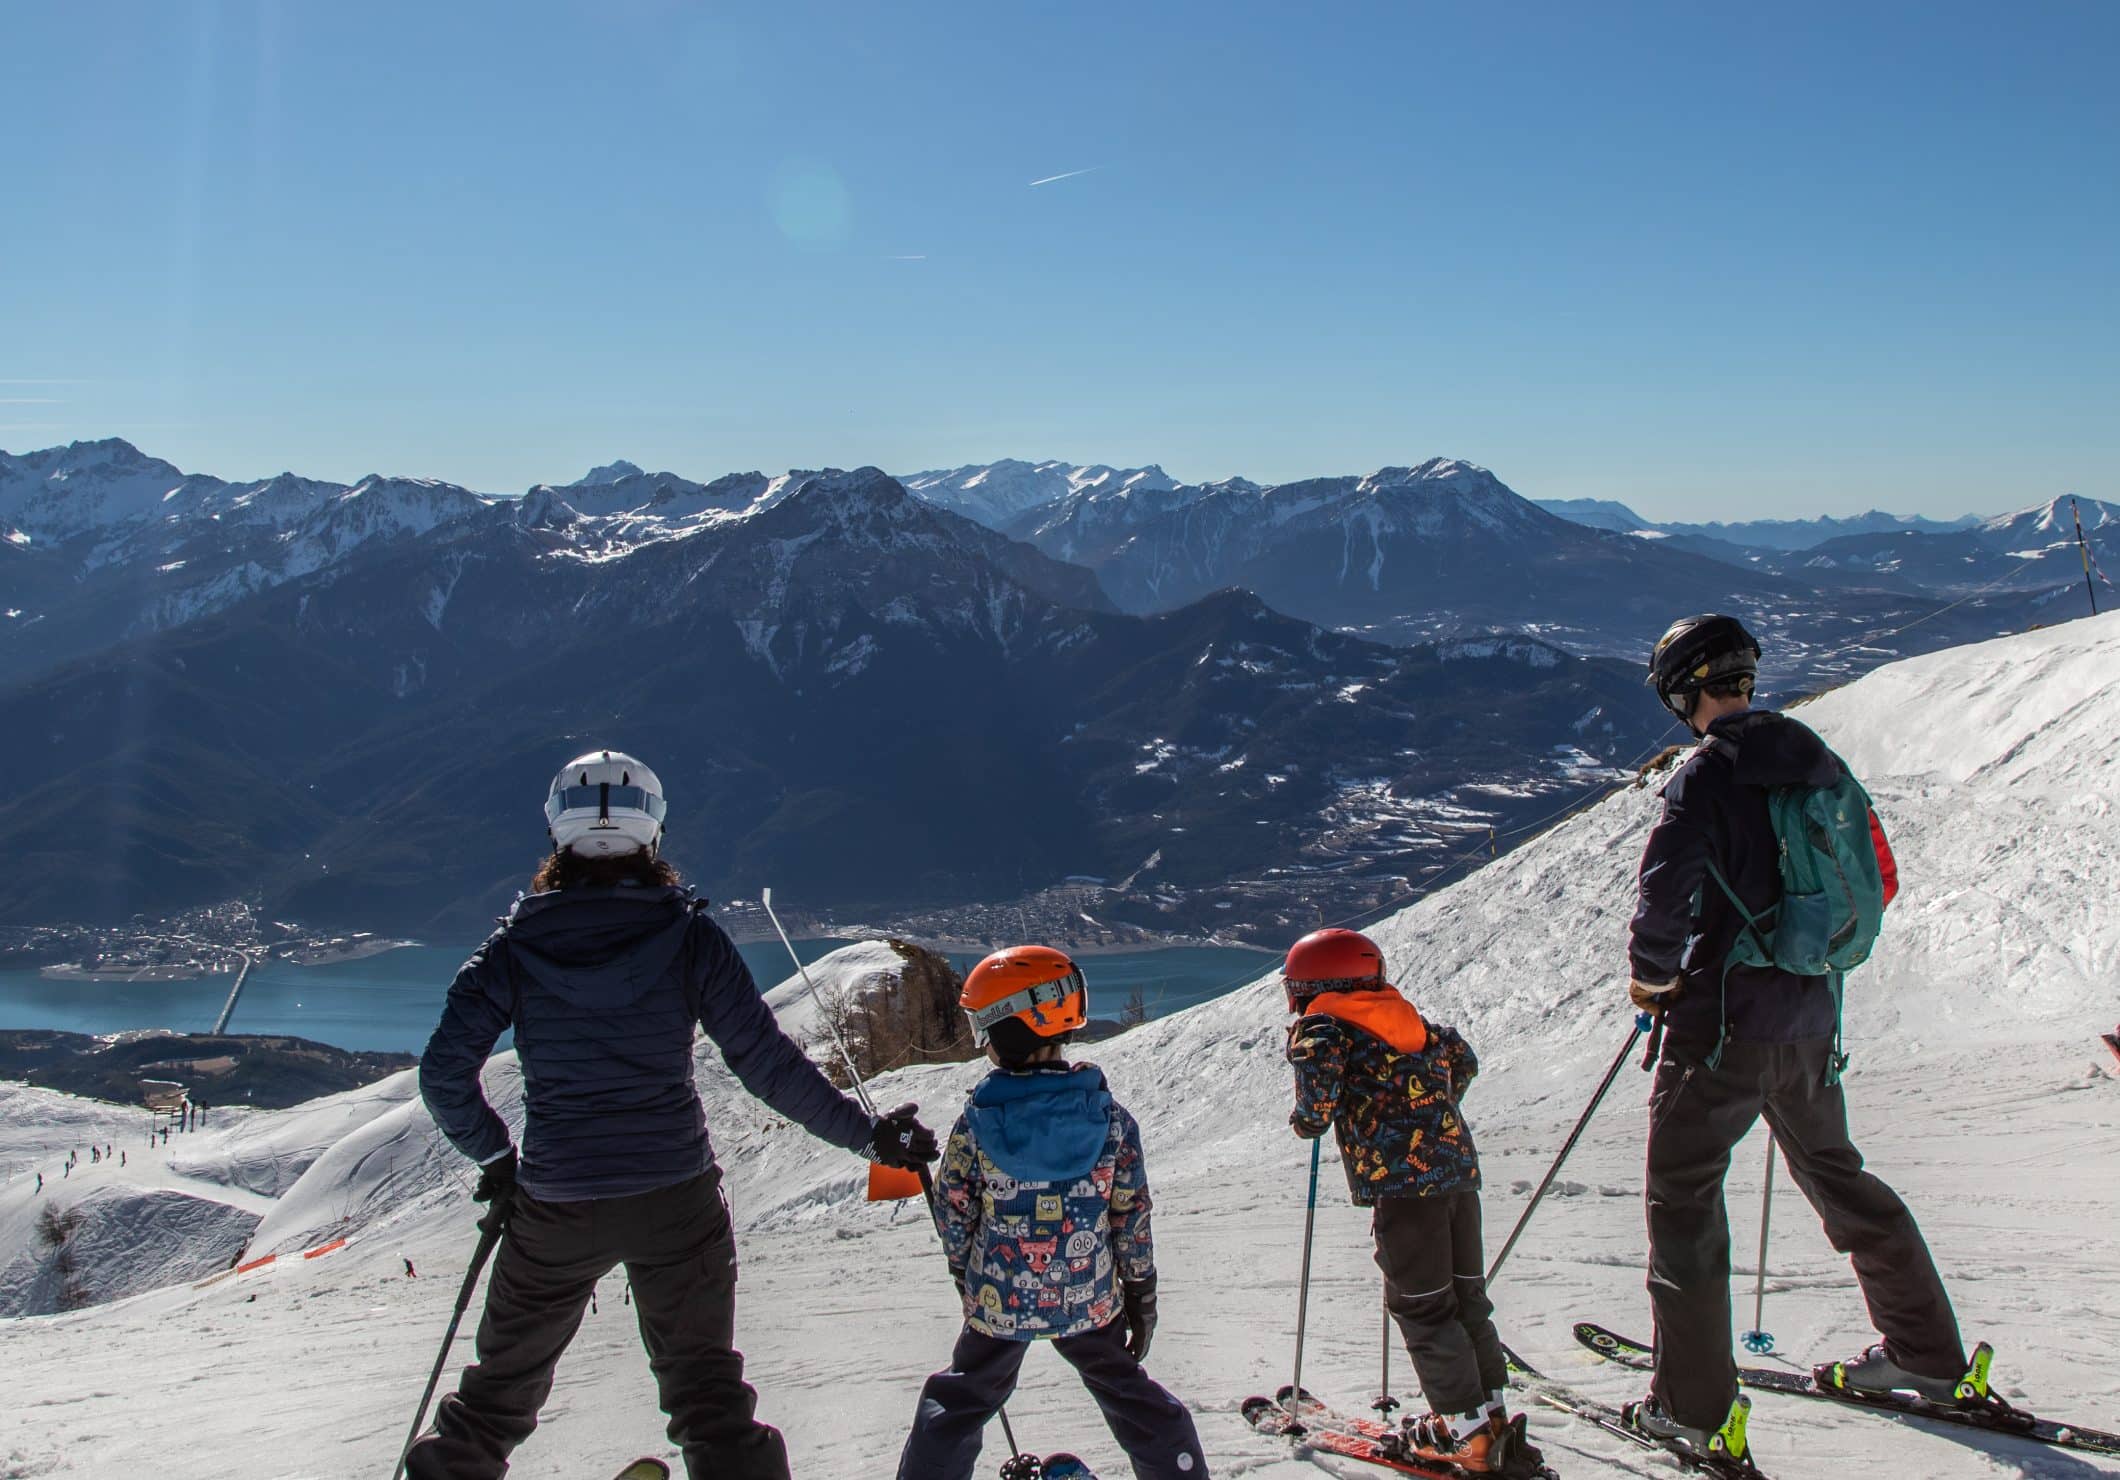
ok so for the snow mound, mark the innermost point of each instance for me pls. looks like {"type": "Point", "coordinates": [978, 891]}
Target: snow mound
{"type": "Point", "coordinates": [123, 1241]}
{"type": "Point", "coordinates": [267, 1153]}
{"type": "Point", "coordinates": [394, 1166]}
{"type": "Point", "coordinates": [840, 976]}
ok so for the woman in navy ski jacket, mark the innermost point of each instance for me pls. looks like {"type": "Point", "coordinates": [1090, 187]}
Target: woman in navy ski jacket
{"type": "Point", "coordinates": [605, 970]}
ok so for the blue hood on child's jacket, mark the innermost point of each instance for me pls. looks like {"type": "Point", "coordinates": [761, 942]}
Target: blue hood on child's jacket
{"type": "Point", "coordinates": [1045, 1124]}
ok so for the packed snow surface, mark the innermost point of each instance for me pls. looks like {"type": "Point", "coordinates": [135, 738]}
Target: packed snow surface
{"type": "Point", "coordinates": [1979, 1089]}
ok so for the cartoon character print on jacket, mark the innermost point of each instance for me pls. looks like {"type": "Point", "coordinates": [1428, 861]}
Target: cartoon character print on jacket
{"type": "Point", "coordinates": [1387, 1084]}
{"type": "Point", "coordinates": [1043, 1205]}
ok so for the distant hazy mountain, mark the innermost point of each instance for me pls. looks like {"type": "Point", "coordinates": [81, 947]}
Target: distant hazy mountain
{"type": "Point", "coordinates": [1597, 513]}
{"type": "Point", "coordinates": [1748, 534]}
{"type": "Point", "coordinates": [996, 493]}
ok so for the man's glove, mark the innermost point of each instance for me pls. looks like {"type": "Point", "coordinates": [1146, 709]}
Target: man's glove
{"type": "Point", "coordinates": [1140, 1300]}
{"type": "Point", "coordinates": [901, 1141]}
{"type": "Point", "coordinates": [1651, 996]}
{"type": "Point", "coordinates": [496, 1181]}
{"type": "Point", "coordinates": [1308, 1130]}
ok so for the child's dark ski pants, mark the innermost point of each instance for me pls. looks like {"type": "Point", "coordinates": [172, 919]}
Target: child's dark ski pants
{"type": "Point", "coordinates": [1435, 1287]}
{"type": "Point", "coordinates": [1696, 1116]}
{"type": "Point", "coordinates": [680, 1254]}
{"type": "Point", "coordinates": [1151, 1426]}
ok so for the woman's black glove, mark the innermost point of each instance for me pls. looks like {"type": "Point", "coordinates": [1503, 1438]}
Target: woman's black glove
{"type": "Point", "coordinates": [1140, 1300]}
{"type": "Point", "coordinates": [496, 1181]}
{"type": "Point", "coordinates": [901, 1141]}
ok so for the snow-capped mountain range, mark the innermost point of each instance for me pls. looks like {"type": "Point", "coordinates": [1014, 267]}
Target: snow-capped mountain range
{"type": "Point", "coordinates": [1977, 1088]}
{"type": "Point", "coordinates": [831, 670]}
{"type": "Point", "coordinates": [115, 542]}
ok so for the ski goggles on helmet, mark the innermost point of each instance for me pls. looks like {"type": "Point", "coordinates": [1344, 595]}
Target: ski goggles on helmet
{"type": "Point", "coordinates": [600, 799]}
{"type": "Point", "coordinates": [1028, 999]}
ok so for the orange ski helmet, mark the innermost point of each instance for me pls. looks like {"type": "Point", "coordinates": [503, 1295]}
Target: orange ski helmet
{"type": "Point", "coordinates": [1332, 961]}
{"type": "Point", "coordinates": [1035, 990]}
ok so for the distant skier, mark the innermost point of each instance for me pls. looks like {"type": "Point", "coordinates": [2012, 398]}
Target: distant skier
{"type": "Point", "coordinates": [1745, 1037]}
{"type": "Point", "coordinates": [121, 1158]}
{"type": "Point", "coordinates": [410, 1272]}
{"type": "Point", "coordinates": [95, 1155]}
{"type": "Point", "coordinates": [40, 1181]}
{"type": "Point", "coordinates": [1386, 1082]}
{"type": "Point", "coordinates": [605, 969]}
{"type": "Point", "coordinates": [1043, 1205]}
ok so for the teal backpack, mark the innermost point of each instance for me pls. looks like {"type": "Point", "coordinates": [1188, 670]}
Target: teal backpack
{"type": "Point", "coordinates": [1832, 892]}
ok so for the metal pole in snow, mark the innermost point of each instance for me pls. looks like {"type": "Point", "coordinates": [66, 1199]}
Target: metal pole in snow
{"type": "Point", "coordinates": [824, 1011]}
{"type": "Point", "coordinates": [1641, 1023]}
{"type": "Point", "coordinates": [1310, 1220]}
{"type": "Point", "coordinates": [2083, 548]}
{"type": "Point", "coordinates": [1757, 1339]}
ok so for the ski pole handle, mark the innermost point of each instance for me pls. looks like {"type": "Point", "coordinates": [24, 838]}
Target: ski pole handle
{"type": "Point", "coordinates": [1651, 1023]}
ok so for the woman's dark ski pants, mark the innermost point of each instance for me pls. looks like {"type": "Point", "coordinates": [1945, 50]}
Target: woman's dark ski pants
{"type": "Point", "coordinates": [1696, 1116]}
{"type": "Point", "coordinates": [680, 1253]}
{"type": "Point", "coordinates": [1151, 1426]}
{"type": "Point", "coordinates": [1435, 1287]}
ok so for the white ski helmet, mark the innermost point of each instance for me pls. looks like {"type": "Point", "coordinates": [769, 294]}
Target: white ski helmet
{"type": "Point", "coordinates": [604, 804]}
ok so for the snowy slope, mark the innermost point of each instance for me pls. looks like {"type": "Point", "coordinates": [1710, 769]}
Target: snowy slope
{"type": "Point", "coordinates": [1977, 1089]}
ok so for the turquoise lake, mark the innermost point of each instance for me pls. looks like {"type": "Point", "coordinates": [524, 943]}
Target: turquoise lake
{"type": "Point", "coordinates": [391, 1001]}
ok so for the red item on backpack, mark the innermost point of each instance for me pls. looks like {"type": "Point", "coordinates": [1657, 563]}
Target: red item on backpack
{"type": "Point", "coordinates": [1887, 865]}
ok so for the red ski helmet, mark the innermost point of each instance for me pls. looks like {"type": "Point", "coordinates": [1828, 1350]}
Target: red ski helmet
{"type": "Point", "coordinates": [1332, 961]}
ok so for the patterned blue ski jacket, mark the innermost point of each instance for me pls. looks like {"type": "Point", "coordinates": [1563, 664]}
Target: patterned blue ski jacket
{"type": "Point", "coordinates": [605, 988]}
{"type": "Point", "coordinates": [1042, 1202]}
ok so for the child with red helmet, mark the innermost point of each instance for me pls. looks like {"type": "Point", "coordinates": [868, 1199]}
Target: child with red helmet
{"type": "Point", "coordinates": [1043, 1207]}
{"type": "Point", "coordinates": [1386, 1081]}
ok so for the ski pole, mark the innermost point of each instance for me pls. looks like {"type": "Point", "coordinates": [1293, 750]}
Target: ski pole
{"type": "Point", "coordinates": [1310, 1219]}
{"type": "Point", "coordinates": [861, 1093]}
{"type": "Point", "coordinates": [489, 1234]}
{"type": "Point", "coordinates": [1756, 1339]}
{"type": "Point", "coordinates": [1641, 1025]}
{"type": "Point", "coordinates": [1385, 1403]}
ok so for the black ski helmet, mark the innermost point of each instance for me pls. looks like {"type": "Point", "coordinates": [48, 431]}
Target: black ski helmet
{"type": "Point", "coordinates": [1698, 651]}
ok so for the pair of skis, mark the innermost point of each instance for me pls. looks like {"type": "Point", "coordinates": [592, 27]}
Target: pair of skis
{"type": "Point", "coordinates": [1990, 1413]}
{"type": "Point", "coordinates": [1613, 1421]}
{"type": "Point", "coordinates": [1318, 1426]}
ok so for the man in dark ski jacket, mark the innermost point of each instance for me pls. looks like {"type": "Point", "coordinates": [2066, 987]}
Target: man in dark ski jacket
{"type": "Point", "coordinates": [604, 971]}
{"type": "Point", "coordinates": [1747, 1041]}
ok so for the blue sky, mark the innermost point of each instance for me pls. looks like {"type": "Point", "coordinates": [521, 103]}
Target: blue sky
{"type": "Point", "coordinates": [1711, 259]}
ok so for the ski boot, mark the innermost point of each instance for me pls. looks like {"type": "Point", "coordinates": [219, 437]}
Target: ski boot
{"type": "Point", "coordinates": [1875, 1373]}
{"type": "Point", "coordinates": [1485, 1443]}
{"type": "Point", "coordinates": [1727, 1442]}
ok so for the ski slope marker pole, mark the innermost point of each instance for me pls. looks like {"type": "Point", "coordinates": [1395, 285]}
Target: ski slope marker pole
{"type": "Point", "coordinates": [489, 1234]}
{"type": "Point", "coordinates": [861, 1093]}
{"type": "Point", "coordinates": [1310, 1221]}
{"type": "Point", "coordinates": [2083, 548]}
{"type": "Point", "coordinates": [1641, 1025]}
{"type": "Point", "coordinates": [1757, 1340]}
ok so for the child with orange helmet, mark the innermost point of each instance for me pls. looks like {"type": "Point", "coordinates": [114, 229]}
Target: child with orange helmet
{"type": "Point", "coordinates": [1043, 1207]}
{"type": "Point", "coordinates": [1386, 1081]}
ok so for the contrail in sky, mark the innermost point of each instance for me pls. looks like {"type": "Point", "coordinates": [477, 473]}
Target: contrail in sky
{"type": "Point", "coordinates": [1069, 175]}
